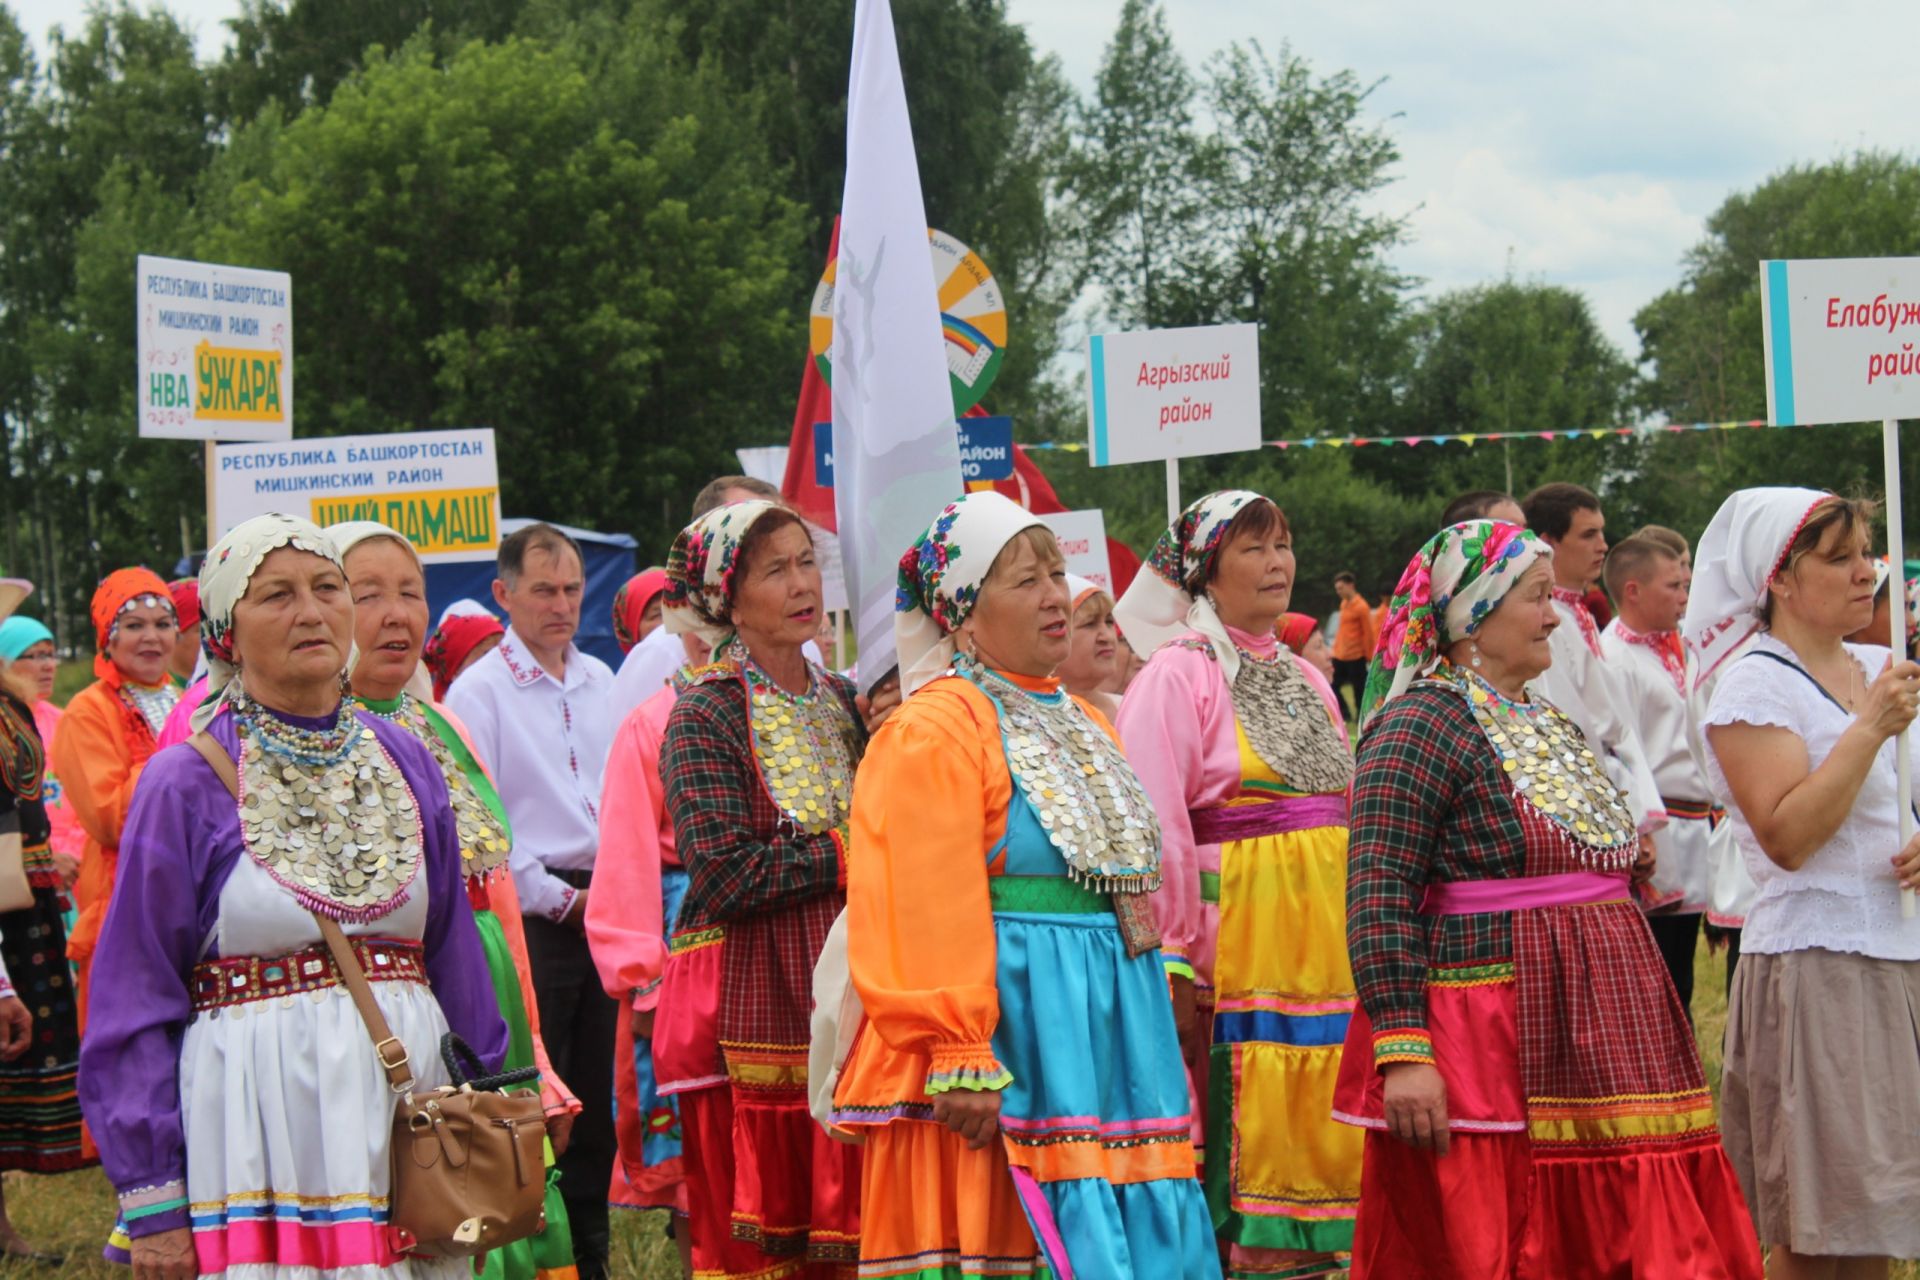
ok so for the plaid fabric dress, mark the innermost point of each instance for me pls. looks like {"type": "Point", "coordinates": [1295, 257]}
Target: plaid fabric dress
{"type": "Point", "coordinates": [1582, 1129]}
{"type": "Point", "coordinates": [769, 1194]}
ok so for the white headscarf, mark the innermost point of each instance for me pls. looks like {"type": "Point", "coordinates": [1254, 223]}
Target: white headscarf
{"type": "Point", "coordinates": [1158, 607]}
{"type": "Point", "coordinates": [940, 578]}
{"type": "Point", "coordinates": [229, 567]}
{"type": "Point", "coordinates": [349, 534]}
{"type": "Point", "coordinates": [1079, 589]}
{"type": "Point", "coordinates": [1734, 564]}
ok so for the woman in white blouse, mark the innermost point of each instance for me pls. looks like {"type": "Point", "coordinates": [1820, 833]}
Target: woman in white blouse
{"type": "Point", "coordinates": [1821, 1092]}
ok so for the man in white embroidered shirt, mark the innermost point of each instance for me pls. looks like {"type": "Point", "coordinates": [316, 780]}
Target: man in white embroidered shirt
{"type": "Point", "coordinates": [537, 710]}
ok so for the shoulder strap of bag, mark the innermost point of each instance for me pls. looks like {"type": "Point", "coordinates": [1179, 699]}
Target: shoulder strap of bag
{"type": "Point", "coordinates": [1805, 674]}
{"type": "Point", "coordinates": [386, 1045]}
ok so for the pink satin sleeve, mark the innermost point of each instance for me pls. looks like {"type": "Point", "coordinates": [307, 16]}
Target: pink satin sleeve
{"type": "Point", "coordinates": [626, 928]}
{"type": "Point", "coordinates": [1176, 725]}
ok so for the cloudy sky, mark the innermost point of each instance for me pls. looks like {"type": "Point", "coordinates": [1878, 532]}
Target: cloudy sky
{"type": "Point", "coordinates": [1581, 145]}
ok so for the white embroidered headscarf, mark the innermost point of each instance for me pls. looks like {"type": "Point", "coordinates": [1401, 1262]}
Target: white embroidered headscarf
{"type": "Point", "coordinates": [347, 535]}
{"type": "Point", "coordinates": [1080, 590]}
{"type": "Point", "coordinates": [1165, 600]}
{"type": "Point", "coordinates": [229, 567]}
{"type": "Point", "coordinates": [940, 579]}
{"type": "Point", "coordinates": [1735, 562]}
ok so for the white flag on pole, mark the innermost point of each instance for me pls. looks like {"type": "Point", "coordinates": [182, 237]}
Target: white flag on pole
{"type": "Point", "coordinates": [896, 454]}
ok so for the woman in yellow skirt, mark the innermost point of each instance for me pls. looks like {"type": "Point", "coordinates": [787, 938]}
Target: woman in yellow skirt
{"type": "Point", "coordinates": [1244, 751]}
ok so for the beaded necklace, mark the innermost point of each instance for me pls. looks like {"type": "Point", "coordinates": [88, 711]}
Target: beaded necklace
{"type": "Point", "coordinates": [484, 846]}
{"type": "Point", "coordinates": [1287, 724]}
{"type": "Point", "coordinates": [805, 744]}
{"type": "Point", "coordinates": [23, 762]}
{"type": "Point", "coordinates": [326, 812]}
{"type": "Point", "coordinates": [1093, 808]}
{"type": "Point", "coordinates": [1552, 769]}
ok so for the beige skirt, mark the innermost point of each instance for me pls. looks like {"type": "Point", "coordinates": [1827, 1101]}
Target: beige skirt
{"type": "Point", "coordinates": [1820, 1101]}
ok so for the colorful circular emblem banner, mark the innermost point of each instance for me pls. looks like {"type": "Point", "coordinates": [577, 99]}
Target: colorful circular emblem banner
{"type": "Point", "coordinates": [973, 319]}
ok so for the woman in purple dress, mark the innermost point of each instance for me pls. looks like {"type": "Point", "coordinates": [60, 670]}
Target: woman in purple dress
{"type": "Point", "coordinates": [241, 1112]}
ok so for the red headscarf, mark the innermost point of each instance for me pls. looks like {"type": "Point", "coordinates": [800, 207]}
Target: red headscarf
{"type": "Point", "coordinates": [1295, 630]}
{"type": "Point", "coordinates": [448, 647]}
{"type": "Point", "coordinates": [630, 604]}
{"type": "Point", "coordinates": [115, 592]}
{"type": "Point", "coordinates": [186, 601]}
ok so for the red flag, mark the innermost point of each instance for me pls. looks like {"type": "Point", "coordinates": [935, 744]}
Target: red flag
{"type": "Point", "coordinates": [803, 492]}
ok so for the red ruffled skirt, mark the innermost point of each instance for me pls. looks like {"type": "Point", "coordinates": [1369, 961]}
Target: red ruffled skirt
{"type": "Point", "coordinates": [1575, 1183]}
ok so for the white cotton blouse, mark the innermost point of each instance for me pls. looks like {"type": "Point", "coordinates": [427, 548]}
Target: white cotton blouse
{"type": "Point", "coordinates": [1845, 897]}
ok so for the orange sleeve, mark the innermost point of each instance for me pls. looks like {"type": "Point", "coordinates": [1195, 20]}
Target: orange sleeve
{"type": "Point", "coordinates": [919, 917]}
{"type": "Point", "coordinates": [91, 759]}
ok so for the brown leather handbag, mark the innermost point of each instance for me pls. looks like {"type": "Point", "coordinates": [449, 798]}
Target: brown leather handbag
{"type": "Point", "coordinates": [468, 1161]}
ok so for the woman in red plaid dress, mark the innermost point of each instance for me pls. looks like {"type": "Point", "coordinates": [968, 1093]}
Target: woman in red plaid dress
{"type": "Point", "coordinates": [1526, 1074]}
{"type": "Point", "coordinates": [758, 766]}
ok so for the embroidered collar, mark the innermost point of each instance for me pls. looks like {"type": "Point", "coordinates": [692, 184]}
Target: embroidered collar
{"type": "Point", "coordinates": [1094, 810]}
{"type": "Point", "coordinates": [1589, 629]}
{"type": "Point", "coordinates": [524, 667]}
{"type": "Point", "coordinates": [1287, 724]}
{"type": "Point", "coordinates": [806, 744]}
{"type": "Point", "coordinates": [326, 812]}
{"type": "Point", "coordinates": [1666, 645]}
{"type": "Point", "coordinates": [484, 840]}
{"type": "Point", "coordinates": [1553, 770]}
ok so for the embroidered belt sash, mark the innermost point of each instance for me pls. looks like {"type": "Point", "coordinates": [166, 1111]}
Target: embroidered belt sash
{"type": "Point", "coordinates": [220, 984]}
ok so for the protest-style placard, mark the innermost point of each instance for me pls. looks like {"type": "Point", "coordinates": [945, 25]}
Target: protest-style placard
{"type": "Point", "coordinates": [1083, 541]}
{"type": "Point", "coordinates": [1842, 339]}
{"type": "Point", "coordinates": [439, 488]}
{"type": "Point", "coordinates": [215, 351]}
{"type": "Point", "coordinates": [1173, 393]}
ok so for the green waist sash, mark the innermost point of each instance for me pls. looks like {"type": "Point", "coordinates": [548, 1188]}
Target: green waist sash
{"type": "Point", "coordinates": [1045, 895]}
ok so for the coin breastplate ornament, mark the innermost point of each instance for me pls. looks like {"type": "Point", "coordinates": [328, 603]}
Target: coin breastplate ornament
{"type": "Point", "coordinates": [804, 744]}
{"type": "Point", "coordinates": [1287, 724]}
{"type": "Point", "coordinates": [484, 846]}
{"type": "Point", "coordinates": [326, 813]}
{"type": "Point", "coordinates": [1552, 769]}
{"type": "Point", "coordinates": [1092, 807]}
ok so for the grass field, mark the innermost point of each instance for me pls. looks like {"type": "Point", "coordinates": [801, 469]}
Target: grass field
{"type": "Point", "coordinates": [71, 1213]}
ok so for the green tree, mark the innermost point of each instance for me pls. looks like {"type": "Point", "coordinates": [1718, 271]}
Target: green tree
{"type": "Point", "coordinates": [1512, 356]}
{"type": "Point", "coordinates": [1137, 177]}
{"type": "Point", "coordinates": [596, 266]}
{"type": "Point", "coordinates": [114, 134]}
{"type": "Point", "coordinates": [1702, 342]}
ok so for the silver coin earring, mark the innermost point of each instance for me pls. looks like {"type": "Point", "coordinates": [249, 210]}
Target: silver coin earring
{"type": "Point", "coordinates": [1476, 655]}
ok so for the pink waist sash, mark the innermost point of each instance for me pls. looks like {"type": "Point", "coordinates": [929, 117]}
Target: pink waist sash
{"type": "Point", "coordinates": [1572, 889]}
{"type": "Point", "coordinates": [1275, 817]}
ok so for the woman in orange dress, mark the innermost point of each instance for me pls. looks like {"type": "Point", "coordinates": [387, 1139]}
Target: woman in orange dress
{"type": "Point", "coordinates": [109, 733]}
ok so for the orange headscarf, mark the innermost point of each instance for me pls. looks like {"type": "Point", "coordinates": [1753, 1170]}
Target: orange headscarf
{"type": "Point", "coordinates": [115, 592]}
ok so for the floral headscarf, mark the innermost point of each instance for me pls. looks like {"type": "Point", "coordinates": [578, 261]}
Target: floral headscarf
{"type": "Point", "coordinates": [119, 591]}
{"type": "Point", "coordinates": [229, 567]}
{"type": "Point", "coordinates": [940, 578]}
{"type": "Point", "coordinates": [462, 627]}
{"type": "Point", "coordinates": [700, 570]}
{"type": "Point", "coordinates": [1166, 598]}
{"type": "Point", "coordinates": [1449, 588]}
{"type": "Point", "coordinates": [630, 605]}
